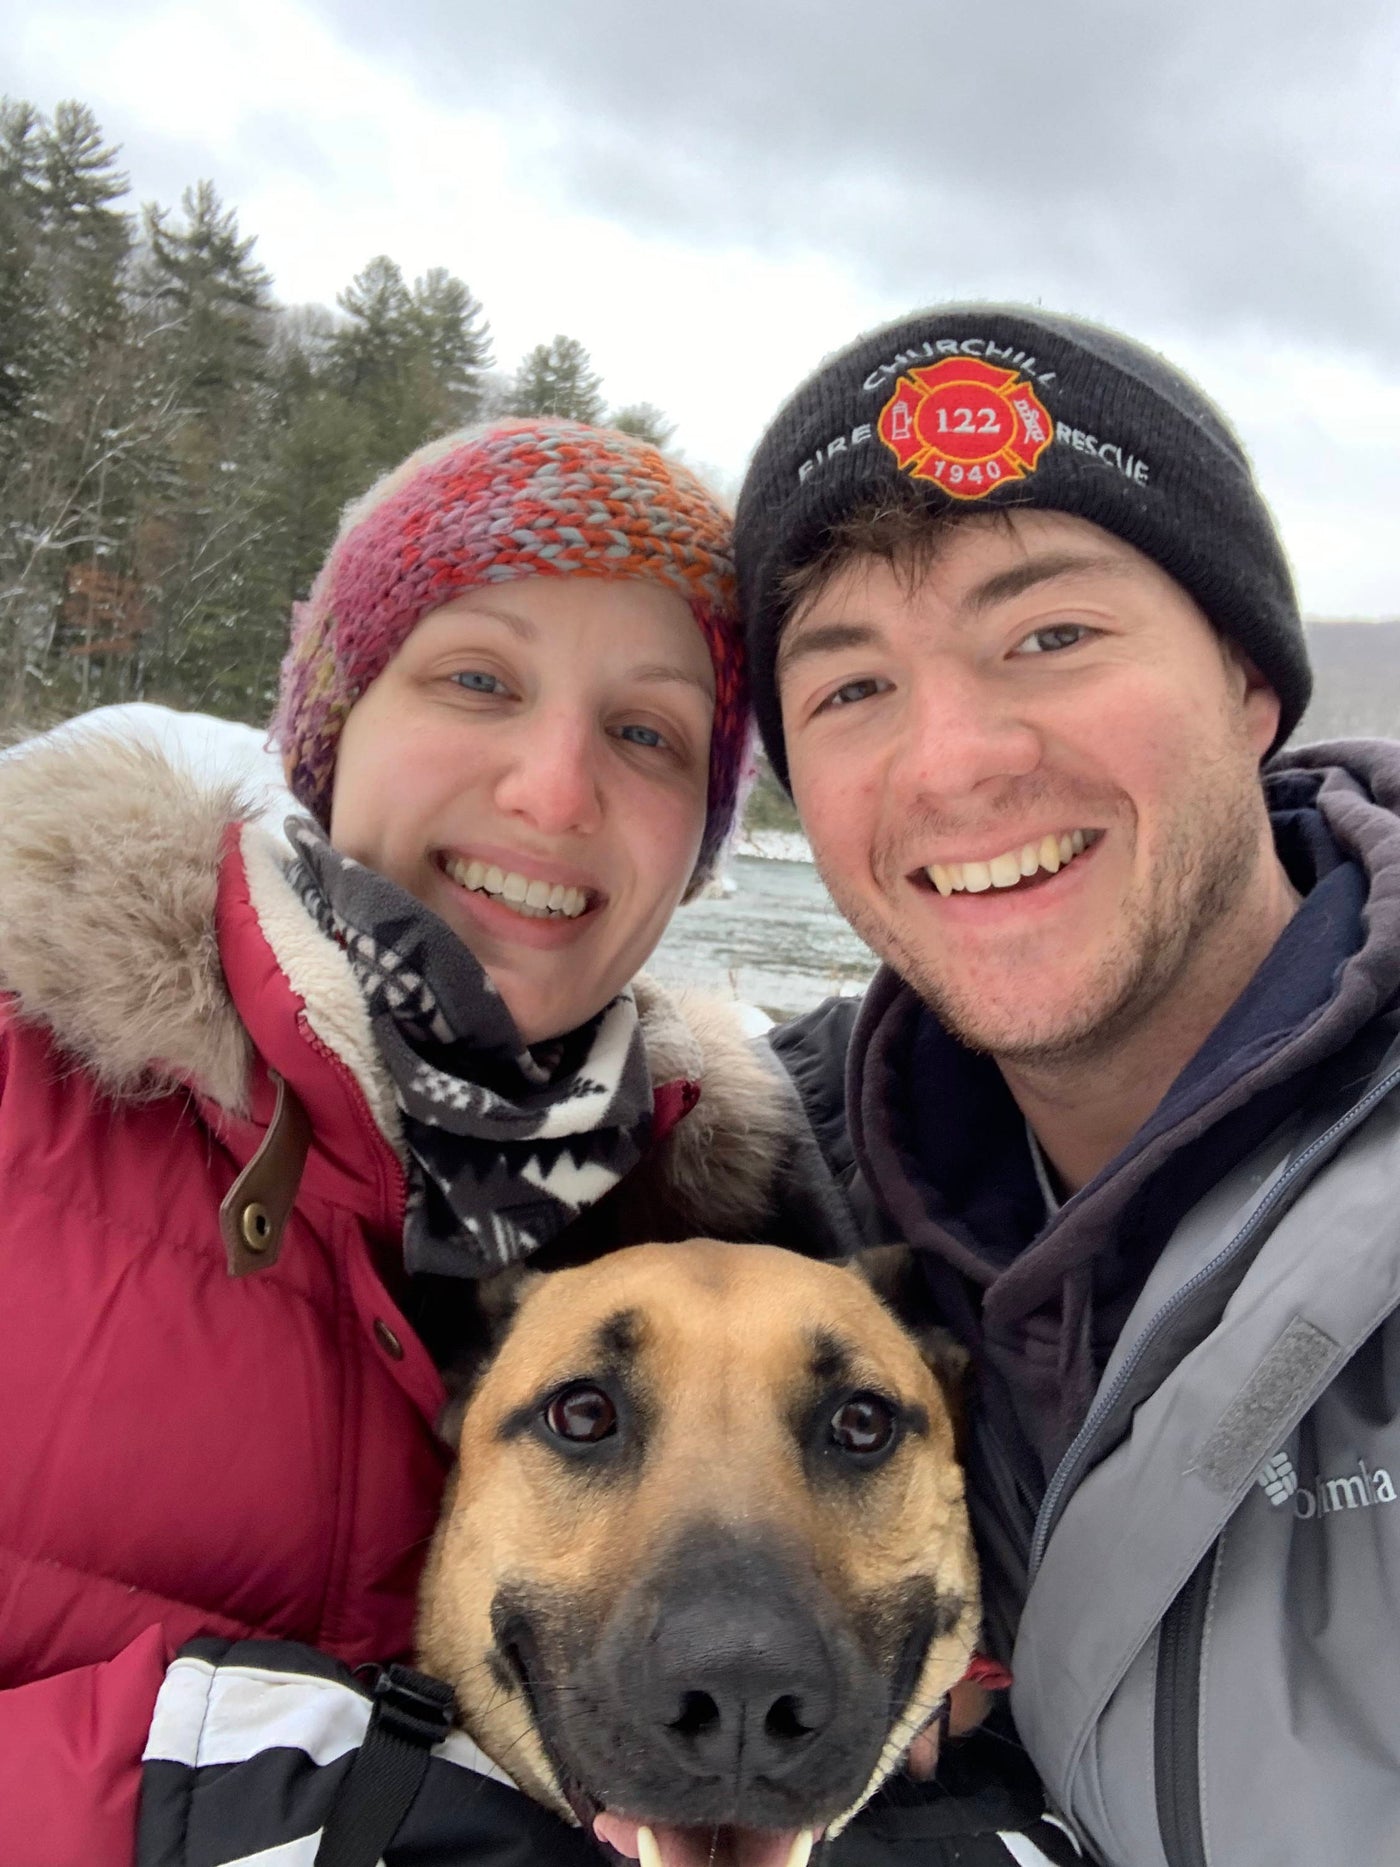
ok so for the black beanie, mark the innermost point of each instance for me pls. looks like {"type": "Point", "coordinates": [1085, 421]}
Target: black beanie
{"type": "Point", "coordinates": [989, 407]}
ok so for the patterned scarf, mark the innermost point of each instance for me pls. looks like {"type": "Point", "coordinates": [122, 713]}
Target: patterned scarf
{"type": "Point", "coordinates": [506, 1144]}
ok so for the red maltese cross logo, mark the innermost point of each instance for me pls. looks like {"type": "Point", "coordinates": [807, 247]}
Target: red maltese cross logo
{"type": "Point", "coordinates": [966, 425]}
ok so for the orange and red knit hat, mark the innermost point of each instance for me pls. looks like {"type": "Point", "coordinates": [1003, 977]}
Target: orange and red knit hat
{"type": "Point", "coordinates": [521, 498]}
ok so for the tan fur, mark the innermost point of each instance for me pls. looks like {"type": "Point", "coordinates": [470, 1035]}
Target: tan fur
{"type": "Point", "coordinates": [719, 1161]}
{"type": "Point", "coordinates": [109, 859]}
{"type": "Point", "coordinates": [724, 1347]}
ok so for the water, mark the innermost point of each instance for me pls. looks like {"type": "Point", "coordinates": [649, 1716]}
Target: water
{"type": "Point", "coordinates": [777, 942]}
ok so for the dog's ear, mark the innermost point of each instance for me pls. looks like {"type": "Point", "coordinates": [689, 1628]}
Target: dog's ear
{"type": "Point", "coordinates": [485, 1326]}
{"type": "Point", "coordinates": [892, 1272]}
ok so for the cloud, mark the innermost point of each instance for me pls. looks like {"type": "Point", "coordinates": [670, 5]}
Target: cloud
{"type": "Point", "coordinates": [1195, 163]}
{"type": "Point", "coordinates": [711, 199]}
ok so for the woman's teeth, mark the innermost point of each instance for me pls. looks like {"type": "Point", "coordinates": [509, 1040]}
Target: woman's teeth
{"type": "Point", "coordinates": [1004, 871]}
{"type": "Point", "coordinates": [536, 900]}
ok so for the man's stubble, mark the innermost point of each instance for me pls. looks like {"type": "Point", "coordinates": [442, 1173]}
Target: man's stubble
{"type": "Point", "coordinates": [1171, 930]}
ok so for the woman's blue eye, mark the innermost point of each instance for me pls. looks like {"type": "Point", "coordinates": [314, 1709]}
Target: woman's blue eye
{"type": "Point", "coordinates": [642, 736]}
{"type": "Point", "coordinates": [477, 681]}
{"type": "Point", "coordinates": [1058, 635]}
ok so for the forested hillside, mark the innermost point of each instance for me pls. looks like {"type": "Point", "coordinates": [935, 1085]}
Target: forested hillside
{"type": "Point", "coordinates": [175, 446]}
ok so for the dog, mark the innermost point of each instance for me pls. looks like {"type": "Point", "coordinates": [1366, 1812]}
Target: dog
{"type": "Point", "coordinates": [704, 1572]}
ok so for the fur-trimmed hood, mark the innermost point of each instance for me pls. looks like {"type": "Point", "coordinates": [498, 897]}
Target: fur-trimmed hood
{"type": "Point", "coordinates": [110, 865]}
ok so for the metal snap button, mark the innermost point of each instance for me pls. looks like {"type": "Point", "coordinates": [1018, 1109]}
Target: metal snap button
{"type": "Point", "coordinates": [255, 1227]}
{"type": "Point", "coordinates": [387, 1340]}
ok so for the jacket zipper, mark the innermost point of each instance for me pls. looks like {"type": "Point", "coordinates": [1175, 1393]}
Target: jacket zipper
{"type": "Point", "coordinates": [1080, 1456]}
{"type": "Point", "coordinates": [1176, 1724]}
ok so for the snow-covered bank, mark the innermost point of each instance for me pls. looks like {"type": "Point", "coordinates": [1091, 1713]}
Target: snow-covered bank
{"type": "Point", "coordinates": [218, 751]}
{"type": "Point", "coordinates": [773, 845]}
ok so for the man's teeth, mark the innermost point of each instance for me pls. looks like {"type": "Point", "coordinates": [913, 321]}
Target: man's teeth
{"type": "Point", "coordinates": [535, 900]}
{"type": "Point", "coordinates": [1013, 865]}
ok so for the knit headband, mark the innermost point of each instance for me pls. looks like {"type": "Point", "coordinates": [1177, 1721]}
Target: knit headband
{"type": "Point", "coordinates": [520, 498]}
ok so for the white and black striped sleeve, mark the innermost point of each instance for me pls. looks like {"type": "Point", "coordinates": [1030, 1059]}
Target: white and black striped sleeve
{"type": "Point", "coordinates": [250, 1744]}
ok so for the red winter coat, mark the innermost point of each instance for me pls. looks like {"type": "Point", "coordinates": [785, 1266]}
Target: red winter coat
{"type": "Point", "coordinates": [183, 1452]}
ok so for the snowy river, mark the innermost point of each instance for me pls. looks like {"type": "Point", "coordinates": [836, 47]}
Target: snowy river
{"type": "Point", "coordinates": [776, 942]}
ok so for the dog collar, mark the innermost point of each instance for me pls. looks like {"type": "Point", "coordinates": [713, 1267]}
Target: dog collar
{"type": "Point", "coordinates": [988, 1673]}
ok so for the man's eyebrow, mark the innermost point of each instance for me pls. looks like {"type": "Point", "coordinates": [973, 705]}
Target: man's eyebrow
{"type": "Point", "coordinates": [1005, 584]}
{"type": "Point", "coordinates": [823, 638]}
{"type": "Point", "coordinates": [826, 638]}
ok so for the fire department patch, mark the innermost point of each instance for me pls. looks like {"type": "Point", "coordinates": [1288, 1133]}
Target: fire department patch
{"type": "Point", "coordinates": [966, 425]}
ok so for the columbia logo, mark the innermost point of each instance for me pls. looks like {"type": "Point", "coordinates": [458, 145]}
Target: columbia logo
{"type": "Point", "coordinates": [1278, 1478]}
{"type": "Point", "coordinates": [1362, 1489]}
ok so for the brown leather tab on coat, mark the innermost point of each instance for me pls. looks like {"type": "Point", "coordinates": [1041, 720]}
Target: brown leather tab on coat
{"type": "Point", "coordinates": [259, 1203]}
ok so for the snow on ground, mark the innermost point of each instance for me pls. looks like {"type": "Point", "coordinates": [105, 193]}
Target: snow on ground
{"type": "Point", "coordinates": [774, 845]}
{"type": "Point", "coordinates": [214, 750]}
{"type": "Point", "coordinates": [754, 1021]}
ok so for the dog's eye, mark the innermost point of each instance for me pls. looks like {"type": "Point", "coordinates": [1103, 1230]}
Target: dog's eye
{"type": "Point", "coordinates": [863, 1424]}
{"type": "Point", "coordinates": [581, 1414]}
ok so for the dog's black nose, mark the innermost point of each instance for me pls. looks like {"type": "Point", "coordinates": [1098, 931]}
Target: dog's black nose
{"type": "Point", "coordinates": [737, 1687]}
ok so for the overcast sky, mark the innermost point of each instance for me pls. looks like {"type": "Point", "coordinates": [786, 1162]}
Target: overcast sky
{"type": "Point", "coordinates": [712, 197]}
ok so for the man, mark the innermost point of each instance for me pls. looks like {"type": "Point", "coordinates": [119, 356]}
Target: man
{"type": "Point", "coordinates": [1022, 634]}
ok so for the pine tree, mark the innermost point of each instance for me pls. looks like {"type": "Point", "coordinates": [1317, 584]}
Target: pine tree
{"type": "Point", "coordinates": [558, 379]}
{"type": "Point", "coordinates": [80, 408]}
{"type": "Point", "coordinates": [322, 449]}
{"type": "Point", "coordinates": [207, 320]}
{"type": "Point", "coordinates": [204, 278]}
{"type": "Point", "coordinates": [378, 362]}
{"type": "Point", "coordinates": [455, 340]}
{"type": "Point", "coordinates": [412, 362]}
{"type": "Point", "coordinates": [372, 349]}
{"type": "Point", "coordinates": [88, 238]}
{"type": "Point", "coordinates": [645, 420]}
{"type": "Point", "coordinates": [21, 232]}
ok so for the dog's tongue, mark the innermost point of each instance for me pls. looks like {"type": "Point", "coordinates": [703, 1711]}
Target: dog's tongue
{"type": "Point", "coordinates": [703, 1847]}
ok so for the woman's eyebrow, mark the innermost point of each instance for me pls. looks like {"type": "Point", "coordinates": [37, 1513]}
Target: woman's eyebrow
{"type": "Point", "coordinates": [518, 625]}
{"type": "Point", "coordinates": [529, 631]}
{"type": "Point", "coordinates": [667, 671]}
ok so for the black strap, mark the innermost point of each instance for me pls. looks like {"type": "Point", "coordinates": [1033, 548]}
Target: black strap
{"type": "Point", "coordinates": [411, 1714]}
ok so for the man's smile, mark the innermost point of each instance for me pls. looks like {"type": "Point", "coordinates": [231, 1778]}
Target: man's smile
{"type": "Point", "coordinates": [1011, 868]}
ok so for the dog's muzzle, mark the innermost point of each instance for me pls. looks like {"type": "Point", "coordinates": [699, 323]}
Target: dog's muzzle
{"type": "Point", "coordinates": [722, 1688]}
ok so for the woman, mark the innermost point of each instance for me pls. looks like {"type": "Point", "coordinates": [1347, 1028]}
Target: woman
{"type": "Point", "coordinates": [264, 1120]}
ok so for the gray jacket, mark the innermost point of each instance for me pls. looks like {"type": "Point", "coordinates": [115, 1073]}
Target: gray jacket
{"type": "Point", "coordinates": [1215, 1572]}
